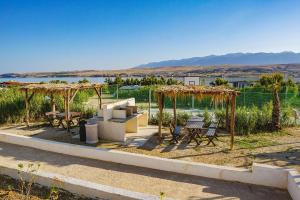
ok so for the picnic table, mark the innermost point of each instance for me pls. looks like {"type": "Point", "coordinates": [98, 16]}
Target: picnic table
{"type": "Point", "coordinates": [195, 130]}
{"type": "Point", "coordinates": [56, 119]}
{"type": "Point", "coordinates": [196, 119]}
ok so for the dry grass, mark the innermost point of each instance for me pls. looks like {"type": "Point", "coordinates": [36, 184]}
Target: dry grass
{"type": "Point", "coordinates": [9, 191]}
{"type": "Point", "coordinates": [280, 149]}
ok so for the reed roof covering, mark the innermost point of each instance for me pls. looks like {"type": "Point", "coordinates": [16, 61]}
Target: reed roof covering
{"type": "Point", "coordinates": [216, 92]}
{"type": "Point", "coordinates": [57, 88]}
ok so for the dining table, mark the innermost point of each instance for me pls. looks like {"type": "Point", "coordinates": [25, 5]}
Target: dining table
{"type": "Point", "coordinates": [196, 119]}
{"type": "Point", "coordinates": [195, 130]}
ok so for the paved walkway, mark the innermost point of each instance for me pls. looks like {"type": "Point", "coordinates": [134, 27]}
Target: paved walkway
{"type": "Point", "coordinates": [138, 179]}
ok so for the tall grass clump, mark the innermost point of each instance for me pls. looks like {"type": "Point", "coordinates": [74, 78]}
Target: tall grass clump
{"type": "Point", "coordinates": [253, 119]}
{"type": "Point", "coordinates": [12, 105]}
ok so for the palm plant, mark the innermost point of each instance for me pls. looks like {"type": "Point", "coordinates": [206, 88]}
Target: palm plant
{"type": "Point", "coordinates": [274, 82]}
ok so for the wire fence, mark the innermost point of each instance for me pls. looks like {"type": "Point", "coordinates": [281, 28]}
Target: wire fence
{"type": "Point", "coordinates": [145, 96]}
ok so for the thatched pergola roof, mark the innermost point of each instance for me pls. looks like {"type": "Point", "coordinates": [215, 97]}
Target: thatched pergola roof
{"type": "Point", "coordinates": [68, 91]}
{"type": "Point", "coordinates": [59, 88]}
{"type": "Point", "coordinates": [217, 93]}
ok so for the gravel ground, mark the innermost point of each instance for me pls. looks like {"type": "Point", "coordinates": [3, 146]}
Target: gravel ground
{"type": "Point", "coordinates": [138, 179]}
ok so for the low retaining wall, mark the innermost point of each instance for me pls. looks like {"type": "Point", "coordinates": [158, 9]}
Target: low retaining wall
{"type": "Point", "coordinates": [77, 186]}
{"type": "Point", "coordinates": [260, 174]}
{"type": "Point", "coordinates": [294, 184]}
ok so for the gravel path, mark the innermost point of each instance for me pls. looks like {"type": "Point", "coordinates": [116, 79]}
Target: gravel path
{"type": "Point", "coordinates": [138, 179]}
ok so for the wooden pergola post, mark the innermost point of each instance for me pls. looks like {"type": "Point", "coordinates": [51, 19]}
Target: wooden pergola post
{"type": "Point", "coordinates": [52, 103]}
{"type": "Point", "coordinates": [149, 105]}
{"type": "Point", "coordinates": [227, 125]}
{"type": "Point", "coordinates": [99, 94]}
{"type": "Point", "coordinates": [27, 106]}
{"type": "Point", "coordinates": [232, 120]}
{"type": "Point", "coordinates": [174, 110]}
{"type": "Point", "coordinates": [67, 108]}
{"type": "Point", "coordinates": [160, 107]}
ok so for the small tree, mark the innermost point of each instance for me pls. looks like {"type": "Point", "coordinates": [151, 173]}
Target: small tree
{"type": "Point", "coordinates": [118, 80]}
{"type": "Point", "coordinates": [219, 81]}
{"type": "Point", "coordinates": [274, 82]}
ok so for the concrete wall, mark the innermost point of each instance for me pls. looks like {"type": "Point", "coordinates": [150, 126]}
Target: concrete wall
{"type": "Point", "coordinates": [143, 119]}
{"type": "Point", "coordinates": [259, 174]}
{"type": "Point", "coordinates": [294, 184]}
{"type": "Point", "coordinates": [76, 186]}
{"type": "Point", "coordinates": [107, 109]}
{"type": "Point", "coordinates": [113, 131]}
{"type": "Point", "coordinates": [119, 114]}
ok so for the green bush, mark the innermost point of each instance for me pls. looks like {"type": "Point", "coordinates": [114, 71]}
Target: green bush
{"type": "Point", "coordinates": [246, 120]}
{"type": "Point", "coordinates": [220, 115]}
{"type": "Point", "coordinates": [166, 119]}
{"type": "Point", "coordinates": [12, 105]}
{"type": "Point", "coordinates": [207, 118]}
{"type": "Point", "coordinates": [182, 118]}
{"type": "Point", "coordinates": [288, 117]}
{"type": "Point", "coordinates": [252, 119]}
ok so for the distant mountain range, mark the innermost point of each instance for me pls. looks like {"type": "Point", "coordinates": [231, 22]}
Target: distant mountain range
{"type": "Point", "coordinates": [261, 58]}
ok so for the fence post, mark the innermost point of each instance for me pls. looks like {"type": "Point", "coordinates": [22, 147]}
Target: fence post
{"type": "Point", "coordinates": [149, 109]}
{"type": "Point", "coordinates": [286, 91]}
{"type": "Point", "coordinates": [193, 102]}
{"type": "Point", "coordinates": [117, 91]}
{"type": "Point", "coordinates": [244, 97]}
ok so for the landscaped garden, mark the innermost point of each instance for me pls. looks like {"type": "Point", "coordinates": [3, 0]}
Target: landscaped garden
{"type": "Point", "coordinates": [255, 140]}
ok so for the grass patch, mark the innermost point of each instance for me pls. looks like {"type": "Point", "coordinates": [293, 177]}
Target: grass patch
{"type": "Point", "coordinates": [254, 141]}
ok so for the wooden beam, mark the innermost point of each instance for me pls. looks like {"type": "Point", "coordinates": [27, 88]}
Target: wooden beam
{"type": "Point", "coordinates": [160, 107]}
{"type": "Point", "coordinates": [99, 94]}
{"type": "Point", "coordinates": [232, 120]}
{"type": "Point", "coordinates": [29, 99]}
{"type": "Point", "coordinates": [149, 105]}
{"type": "Point", "coordinates": [52, 103]}
{"type": "Point", "coordinates": [72, 95]}
{"type": "Point", "coordinates": [100, 98]}
{"type": "Point", "coordinates": [174, 110]}
{"type": "Point", "coordinates": [227, 125]}
{"type": "Point", "coordinates": [67, 109]}
{"type": "Point", "coordinates": [27, 108]}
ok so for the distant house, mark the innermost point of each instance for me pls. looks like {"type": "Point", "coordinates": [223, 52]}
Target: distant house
{"type": "Point", "coordinates": [194, 80]}
{"type": "Point", "coordinates": [237, 82]}
{"type": "Point", "coordinates": [241, 84]}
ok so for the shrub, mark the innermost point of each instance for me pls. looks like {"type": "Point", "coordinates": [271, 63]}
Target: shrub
{"type": "Point", "coordinates": [12, 105]}
{"type": "Point", "coordinates": [182, 118]}
{"type": "Point", "coordinates": [207, 117]}
{"type": "Point", "coordinates": [252, 120]}
{"type": "Point", "coordinates": [246, 119]}
{"type": "Point", "coordinates": [287, 117]}
{"type": "Point", "coordinates": [220, 115]}
{"type": "Point", "coordinates": [166, 119]}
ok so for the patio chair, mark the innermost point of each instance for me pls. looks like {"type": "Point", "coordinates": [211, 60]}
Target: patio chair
{"type": "Point", "coordinates": [215, 125]}
{"type": "Point", "coordinates": [211, 134]}
{"type": "Point", "coordinates": [175, 132]}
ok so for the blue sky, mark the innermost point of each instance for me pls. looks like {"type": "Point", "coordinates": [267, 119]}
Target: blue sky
{"type": "Point", "coordinates": [58, 35]}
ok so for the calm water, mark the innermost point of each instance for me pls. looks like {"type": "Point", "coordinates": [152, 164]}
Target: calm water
{"type": "Point", "coordinates": [47, 79]}
{"type": "Point", "coordinates": [101, 79]}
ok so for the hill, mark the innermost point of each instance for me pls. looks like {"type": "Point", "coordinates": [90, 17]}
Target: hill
{"type": "Point", "coordinates": [231, 59]}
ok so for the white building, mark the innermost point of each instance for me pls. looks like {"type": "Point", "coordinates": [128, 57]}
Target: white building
{"type": "Point", "coordinates": [195, 80]}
